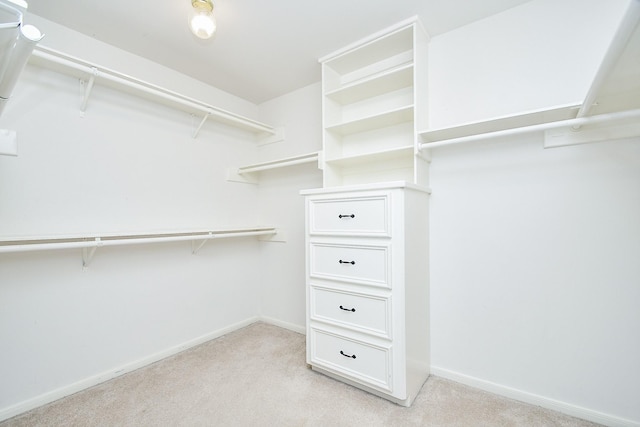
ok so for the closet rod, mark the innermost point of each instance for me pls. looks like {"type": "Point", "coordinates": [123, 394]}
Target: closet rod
{"type": "Point", "coordinates": [580, 121]}
{"type": "Point", "coordinates": [56, 57]}
{"type": "Point", "coordinates": [82, 242]}
{"type": "Point", "coordinates": [620, 40]}
{"type": "Point", "coordinates": [307, 158]}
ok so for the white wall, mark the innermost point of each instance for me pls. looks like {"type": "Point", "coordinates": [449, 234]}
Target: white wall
{"type": "Point", "coordinates": [534, 267]}
{"type": "Point", "coordinates": [534, 271]}
{"type": "Point", "coordinates": [283, 269]}
{"type": "Point", "coordinates": [534, 56]}
{"type": "Point", "coordinates": [128, 165]}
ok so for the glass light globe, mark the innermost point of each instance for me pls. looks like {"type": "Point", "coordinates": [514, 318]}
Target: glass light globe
{"type": "Point", "coordinates": [203, 24]}
{"type": "Point", "coordinates": [31, 32]}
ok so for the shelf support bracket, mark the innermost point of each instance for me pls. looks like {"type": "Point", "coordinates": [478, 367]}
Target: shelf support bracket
{"type": "Point", "coordinates": [565, 137]}
{"type": "Point", "coordinates": [196, 245]}
{"type": "Point", "coordinates": [277, 136]}
{"type": "Point", "coordinates": [204, 120]}
{"type": "Point", "coordinates": [278, 236]}
{"type": "Point", "coordinates": [88, 88]}
{"type": "Point", "coordinates": [87, 253]}
{"type": "Point", "coordinates": [234, 175]}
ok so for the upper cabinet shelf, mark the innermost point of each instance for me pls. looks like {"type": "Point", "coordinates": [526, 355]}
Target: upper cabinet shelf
{"type": "Point", "coordinates": [374, 121]}
{"type": "Point", "coordinates": [359, 63]}
{"type": "Point", "coordinates": [377, 84]}
{"type": "Point", "coordinates": [97, 74]}
{"type": "Point", "coordinates": [367, 159]}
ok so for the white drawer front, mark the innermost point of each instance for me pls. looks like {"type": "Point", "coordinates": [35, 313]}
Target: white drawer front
{"type": "Point", "coordinates": [360, 264]}
{"type": "Point", "coordinates": [363, 362]}
{"type": "Point", "coordinates": [366, 313]}
{"type": "Point", "coordinates": [355, 216]}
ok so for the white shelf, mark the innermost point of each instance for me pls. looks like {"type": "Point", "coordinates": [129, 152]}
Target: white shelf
{"type": "Point", "coordinates": [93, 73]}
{"type": "Point", "coordinates": [379, 47]}
{"type": "Point", "coordinates": [90, 242]}
{"type": "Point", "coordinates": [279, 163]}
{"type": "Point", "coordinates": [387, 81]}
{"type": "Point", "coordinates": [559, 133]}
{"type": "Point", "coordinates": [390, 155]}
{"type": "Point", "coordinates": [376, 166]}
{"type": "Point", "coordinates": [376, 121]}
{"type": "Point", "coordinates": [499, 124]}
{"type": "Point", "coordinates": [247, 173]}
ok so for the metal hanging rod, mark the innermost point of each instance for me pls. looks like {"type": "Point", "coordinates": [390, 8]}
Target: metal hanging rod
{"type": "Point", "coordinates": [94, 71]}
{"type": "Point", "coordinates": [289, 161]}
{"type": "Point", "coordinates": [580, 121]}
{"type": "Point", "coordinates": [91, 242]}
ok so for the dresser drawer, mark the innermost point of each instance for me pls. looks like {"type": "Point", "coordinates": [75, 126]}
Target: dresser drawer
{"type": "Point", "coordinates": [363, 362]}
{"type": "Point", "coordinates": [366, 313]}
{"type": "Point", "coordinates": [350, 216]}
{"type": "Point", "coordinates": [353, 263]}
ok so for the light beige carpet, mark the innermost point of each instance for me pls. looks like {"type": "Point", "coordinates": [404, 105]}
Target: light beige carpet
{"type": "Point", "coordinates": [257, 376]}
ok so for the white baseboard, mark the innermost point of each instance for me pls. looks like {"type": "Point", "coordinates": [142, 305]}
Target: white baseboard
{"type": "Point", "coordinates": [534, 399]}
{"type": "Point", "coordinates": [282, 324]}
{"type": "Point", "coordinates": [43, 399]}
{"type": "Point", "coordinates": [499, 389]}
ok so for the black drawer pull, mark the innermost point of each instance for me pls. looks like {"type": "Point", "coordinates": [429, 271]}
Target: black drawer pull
{"type": "Point", "coordinates": [346, 216]}
{"type": "Point", "coordinates": [348, 309]}
{"type": "Point", "coordinates": [353, 356]}
{"type": "Point", "coordinates": [347, 262]}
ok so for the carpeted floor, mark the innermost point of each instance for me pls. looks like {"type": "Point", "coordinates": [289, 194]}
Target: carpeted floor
{"type": "Point", "coordinates": [257, 376]}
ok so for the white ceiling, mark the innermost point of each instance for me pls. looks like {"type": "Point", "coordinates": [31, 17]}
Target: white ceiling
{"type": "Point", "coordinates": [262, 49]}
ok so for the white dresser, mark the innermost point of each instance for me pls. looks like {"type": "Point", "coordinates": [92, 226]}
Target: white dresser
{"type": "Point", "coordinates": [367, 286]}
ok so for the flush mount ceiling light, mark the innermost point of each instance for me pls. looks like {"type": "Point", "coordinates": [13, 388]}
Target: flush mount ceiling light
{"type": "Point", "coordinates": [201, 20]}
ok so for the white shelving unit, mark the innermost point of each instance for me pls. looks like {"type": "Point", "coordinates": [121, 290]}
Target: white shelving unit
{"type": "Point", "coordinates": [366, 230]}
{"type": "Point", "coordinates": [373, 101]}
{"type": "Point", "coordinates": [92, 74]}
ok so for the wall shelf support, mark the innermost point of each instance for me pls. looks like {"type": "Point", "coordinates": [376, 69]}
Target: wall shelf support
{"type": "Point", "coordinates": [87, 89]}
{"type": "Point", "coordinates": [204, 119]}
{"type": "Point", "coordinates": [197, 245]}
{"type": "Point", "coordinates": [278, 135]}
{"type": "Point", "coordinates": [88, 253]}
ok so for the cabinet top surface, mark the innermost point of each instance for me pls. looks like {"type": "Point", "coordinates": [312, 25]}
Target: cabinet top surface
{"type": "Point", "coordinates": [407, 23]}
{"type": "Point", "coordinates": [366, 187]}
